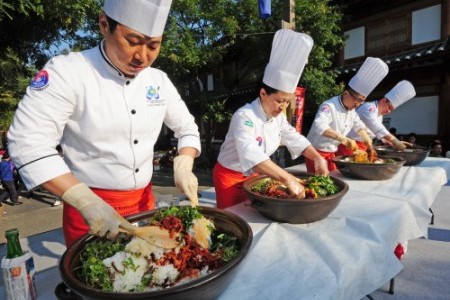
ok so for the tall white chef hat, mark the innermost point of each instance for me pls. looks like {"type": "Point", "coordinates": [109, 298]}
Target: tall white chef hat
{"type": "Point", "coordinates": [290, 51]}
{"type": "Point", "coordinates": [402, 92]}
{"type": "Point", "coordinates": [372, 71]}
{"type": "Point", "coordinates": [145, 16]}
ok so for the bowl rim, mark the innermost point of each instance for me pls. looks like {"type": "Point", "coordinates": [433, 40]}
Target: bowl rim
{"type": "Point", "coordinates": [420, 149]}
{"type": "Point", "coordinates": [398, 161]}
{"type": "Point", "coordinates": [82, 288]}
{"type": "Point", "coordinates": [248, 183]}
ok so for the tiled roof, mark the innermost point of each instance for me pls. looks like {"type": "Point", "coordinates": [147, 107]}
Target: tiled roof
{"type": "Point", "coordinates": [429, 52]}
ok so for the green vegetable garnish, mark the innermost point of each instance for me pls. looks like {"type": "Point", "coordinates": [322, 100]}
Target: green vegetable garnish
{"type": "Point", "coordinates": [187, 214]}
{"type": "Point", "coordinates": [322, 185]}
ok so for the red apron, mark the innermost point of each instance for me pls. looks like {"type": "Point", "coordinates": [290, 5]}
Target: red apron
{"type": "Point", "coordinates": [229, 186]}
{"type": "Point", "coordinates": [124, 202]}
{"type": "Point", "coordinates": [329, 156]}
{"type": "Point", "coordinates": [342, 150]}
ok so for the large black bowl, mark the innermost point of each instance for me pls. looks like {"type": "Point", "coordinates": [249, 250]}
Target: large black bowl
{"type": "Point", "coordinates": [295, 211]}
{"type": "Point", "coordinates": [412, 156]}
{"type": "Point", "coordinates": [369, 171]}
{"type": "Point", "coordinates": [207, 287]}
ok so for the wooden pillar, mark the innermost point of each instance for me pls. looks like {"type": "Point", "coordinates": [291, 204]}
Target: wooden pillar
{"type": "Point", "coordinates": [445, 19]}
{"type": "Point", "coordinates": [288, 14]}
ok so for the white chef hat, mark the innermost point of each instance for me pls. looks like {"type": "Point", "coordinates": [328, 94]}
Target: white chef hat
{"type": "Point", "coordinates": [402, 92]}
{"type": "Point", "coordinates": [372, 71]}
{"type": "Point", "coordinates": [290, 51]}
{"type": "Point", "coordinates": [145, 16]}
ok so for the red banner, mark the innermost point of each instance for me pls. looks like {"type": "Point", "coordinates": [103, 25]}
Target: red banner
{"type": "Point", "coordinates": [300, 97]}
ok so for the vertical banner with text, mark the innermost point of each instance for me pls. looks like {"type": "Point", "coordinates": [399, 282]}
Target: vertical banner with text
{"type": "Point", "coordinates": [300, 97]}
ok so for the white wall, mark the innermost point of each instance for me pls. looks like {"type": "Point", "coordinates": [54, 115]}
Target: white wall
{"type": "Point", "coordinates": [419, 115]}
{"type": "Point", "coordinates": [426, 25]}
{"type": "Point", "coordinates": [354, 46]}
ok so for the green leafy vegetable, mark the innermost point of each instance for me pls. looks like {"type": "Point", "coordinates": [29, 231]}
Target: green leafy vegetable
{"type": "Point", "coordinates": [187, 214]}
{"type": "Point", "coordinates": [92, 270]}
{"type": "Point", "coordinates": [322, 185]}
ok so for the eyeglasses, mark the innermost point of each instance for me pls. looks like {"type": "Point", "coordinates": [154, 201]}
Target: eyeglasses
{"type": "Point", "coordinates": [359, 100]}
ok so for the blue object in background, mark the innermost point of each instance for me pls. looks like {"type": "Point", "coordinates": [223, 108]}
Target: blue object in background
{"type": "Point", "coordinates": [265, 8]}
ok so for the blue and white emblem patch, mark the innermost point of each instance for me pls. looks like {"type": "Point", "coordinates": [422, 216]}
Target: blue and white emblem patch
{"type": "Point", "coordinates": [40, 81]}
{"type": "Point", "coordinates": [152, 93]}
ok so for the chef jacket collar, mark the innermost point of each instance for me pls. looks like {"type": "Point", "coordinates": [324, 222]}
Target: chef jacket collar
{"type": "Point", "coordinates": [262, 113]}
{"type": "Point", "coordinates": [342, 103]}
{"type": "Point", "coordinates": [113, 70]}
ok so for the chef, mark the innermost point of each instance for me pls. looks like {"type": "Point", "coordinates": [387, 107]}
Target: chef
{"type": "Point", "coordinates": [106, 107]}
{"type": "Point", "coordinates": [257, 129]}
{"type": "Point", "coordinates": [337, 116]}
{"type": "Point", "coordinates": [372, 112]}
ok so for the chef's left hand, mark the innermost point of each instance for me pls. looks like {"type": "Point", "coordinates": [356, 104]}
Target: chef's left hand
{"type": "Point", "coordinates": [184, 179]}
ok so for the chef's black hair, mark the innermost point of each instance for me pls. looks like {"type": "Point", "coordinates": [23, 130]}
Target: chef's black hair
{"type": "Point", "coordinates": [111, 23]}
{"type": "Point", "coordinates": [269, 90]}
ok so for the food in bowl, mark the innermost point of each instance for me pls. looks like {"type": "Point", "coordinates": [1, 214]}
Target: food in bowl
{"type": "Point", "coordinates": [130, 264]}
{"type": "Point", "coordinates": [315, 187]}
{"type": "Point", "coordinates": [295, 211]}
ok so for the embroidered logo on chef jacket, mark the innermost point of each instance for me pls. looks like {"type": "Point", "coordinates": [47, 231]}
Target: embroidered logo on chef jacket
{"type": "Point", "coordinates": [153, 97]}
{"type": "Point", "coordinates": [40, 80]}
{"type": "Point", "coordinates": [248, 123]}
{"type": "Point", "coordinates": [372, 109]}
{"type": "Point", "coordinates": [325, 109]}
{"type": "Point", "coordinates": [259, 140]}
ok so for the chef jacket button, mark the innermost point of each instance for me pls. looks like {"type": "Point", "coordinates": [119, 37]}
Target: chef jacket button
{"type": "Point", "coordinates": [127, 82]}
{"type": "Point", "coordinates": [135, 141]}
{"type": "Point", "coordinates": [133, 111]}
{"type": "Point", "coordinates": [137, 170]}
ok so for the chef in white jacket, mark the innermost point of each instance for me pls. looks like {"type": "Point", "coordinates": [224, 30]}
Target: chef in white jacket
{"type": "Point", "coordinates": [106, 107]}
{"type": "Point", "coordinates": [337, 116]}
{"type": "Point", "coordinates": [372, 112]}
{"type": "Point", "coordinates": [259, 128]}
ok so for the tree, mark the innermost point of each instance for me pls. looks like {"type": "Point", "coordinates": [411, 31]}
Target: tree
{"type": "Point", "coordinates": [33, 31]}
{"type": "Point", "coordinates": [228, 39]}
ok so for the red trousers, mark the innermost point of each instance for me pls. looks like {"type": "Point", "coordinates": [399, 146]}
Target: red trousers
{"type": "Point", "coordinates": [229, 186]}
{"type": "Point", "coordinates": [124, 202]}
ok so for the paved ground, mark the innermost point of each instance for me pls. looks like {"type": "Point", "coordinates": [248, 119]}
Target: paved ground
{"type": "Point", "coordinates": [37, 214]}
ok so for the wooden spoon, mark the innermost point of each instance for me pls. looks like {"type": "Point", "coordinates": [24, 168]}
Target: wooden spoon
{"type": "Point", "coordinates": [155, 235]}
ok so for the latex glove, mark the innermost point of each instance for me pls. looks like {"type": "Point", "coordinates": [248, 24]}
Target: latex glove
{"type": "Point", "coordinates": [365, 138]}
{"type": "Point", "coordinates": [99, 215]}
{"type": "Point", "coordinates": [185, 180]}
{"type": "Point", "coordinates": [321, 166]}
{"type": "Point", "coordinates": [400, 145]}
{"type": "Point", "coordinates": [348, 143]}
{"type": "Point", "coordinates": [295, 188]}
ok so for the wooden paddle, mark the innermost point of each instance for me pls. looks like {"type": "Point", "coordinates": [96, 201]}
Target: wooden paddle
{"type": "Point", "coordinates": [153, 234]}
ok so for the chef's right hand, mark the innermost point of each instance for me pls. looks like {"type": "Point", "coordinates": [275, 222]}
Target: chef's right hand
{"type": "Point", "coordinates": [348, 143]}
{"type": "Point", "coordinates": [400, 145]}
{"type": "Point", "coordinates": [295, 188]}
{"type": "Point", "coordinates": [100, 216]}
{"type": "Point", "coordinates": [321, 166]}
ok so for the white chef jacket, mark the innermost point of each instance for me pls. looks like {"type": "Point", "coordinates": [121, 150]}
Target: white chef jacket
{"type": "Point", "coordinates": [107, 124]}
{"type": "Point", "coordinates": [333, 114]}
{"type": "Point", "coordinates": [368, 113]}
{"type": "Point", "coordinates": [253, 137]}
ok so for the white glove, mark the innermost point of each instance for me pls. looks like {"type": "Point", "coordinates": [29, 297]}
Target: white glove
{"type": "Point", "coordinates": [321, 166]}
{"type": "Point", "coordinates": [295, 187]}
{"type": "Point", "coordinates": [100, 216]}
{"type": "Point", "coordinates": [348, 143]}
{"type": "Point", "coordinates": [398, 145]}
{"type": "Point", "coordinates": [184, 179]}
{"type": "Point", "coordinates": [365, 138]}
